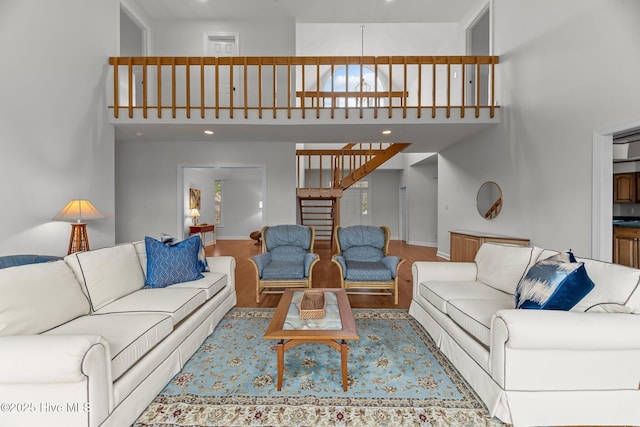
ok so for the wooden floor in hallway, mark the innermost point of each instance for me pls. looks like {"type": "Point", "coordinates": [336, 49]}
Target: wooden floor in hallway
{"type": "Point", "coordinates": [325, 273]}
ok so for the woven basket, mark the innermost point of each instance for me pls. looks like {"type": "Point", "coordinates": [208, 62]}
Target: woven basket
{"type": "Point", "coordinates": [312, 305]}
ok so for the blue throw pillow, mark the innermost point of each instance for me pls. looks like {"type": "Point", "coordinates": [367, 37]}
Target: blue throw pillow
{"type": "Point", "coordinates": [167, 265]}
{"type": "Point", "coordinates": [554, 284]}
{"type": "Point", "coordinates": [202, 258]}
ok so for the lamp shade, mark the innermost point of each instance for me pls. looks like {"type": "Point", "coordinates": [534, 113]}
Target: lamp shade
{"type": "Point", "coordinates": [194, 213]}
{"type": "Point", "coordinates": [78, 210]}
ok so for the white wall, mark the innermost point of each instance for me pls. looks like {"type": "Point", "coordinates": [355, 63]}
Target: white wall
{"type": "Point", "coordinates": [422, 198]}
{"type": "Point", "coordinates": [56, 144]}
{"type": "Point", "coordinates": [385, 199]}
{"type": "Point", "coordinates": [567, 69]}
{"type": "Point", "coordinates": [149, 181]}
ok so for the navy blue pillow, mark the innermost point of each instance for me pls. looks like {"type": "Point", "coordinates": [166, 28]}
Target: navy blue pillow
{"type": "Point", "coordinates": [553, 284]}
{"type": "Point", "coordinates": [168, 265]}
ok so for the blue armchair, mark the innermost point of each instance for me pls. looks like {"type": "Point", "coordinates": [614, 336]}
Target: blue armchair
{"type": "Point", "coordinates": [364, 262]}
{"type": "Point", "coordinates": [287, 258]}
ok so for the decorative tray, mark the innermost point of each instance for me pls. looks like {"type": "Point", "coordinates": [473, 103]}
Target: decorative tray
{"type": "Point", "coordinates": [312, 305]}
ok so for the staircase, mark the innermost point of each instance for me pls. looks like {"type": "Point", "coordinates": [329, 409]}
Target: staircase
{"type": "Point", "coordinates": [319, 192]}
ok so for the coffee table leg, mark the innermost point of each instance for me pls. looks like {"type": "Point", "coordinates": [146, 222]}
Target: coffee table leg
{"type": "Point", "coordinates": [280, 363]}
{"type": "Point", "coordinates": [343, 352]}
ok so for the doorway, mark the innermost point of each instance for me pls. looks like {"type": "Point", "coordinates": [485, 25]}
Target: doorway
{"type": "Point", "coordinates": [602, 190]}
{"type": "Point", "coordinates": [478, 44]}
{"type": "Point", "coordinates": [223, 45]}
{"type": "Point", "coordinates": [355, 205]}
{"type": "Point", "coordinates": [232, 196]}
{"type": "Point", "coordinates": [133, 42]}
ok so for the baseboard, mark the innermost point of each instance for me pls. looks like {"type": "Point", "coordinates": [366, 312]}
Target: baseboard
{"type": "Point", "coordinates": [233, 237]}
{"type": "Point", "coordinates": [429, 244]}
{"type": "Point", "coordinates": [443, 255]}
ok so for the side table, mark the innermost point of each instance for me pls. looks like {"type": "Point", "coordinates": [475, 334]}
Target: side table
{"type": "Point", "coordinates": [203, 229]}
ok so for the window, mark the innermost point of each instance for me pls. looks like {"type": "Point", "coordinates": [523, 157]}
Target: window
{"type": "Point", "coordinates": [217, 201]}
{"type": "Point", "coordinates": [356, 84]}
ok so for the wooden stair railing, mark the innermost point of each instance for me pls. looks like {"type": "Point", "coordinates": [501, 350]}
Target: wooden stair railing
{"type": "Point", "coordinates": [319, 205]}
{"type": "Point", "coordinates": [494, 210]}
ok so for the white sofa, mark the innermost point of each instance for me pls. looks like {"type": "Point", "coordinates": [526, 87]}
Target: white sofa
{"type": "Point", "coordinates": [536, 367]}
{"type": "Point", "coordinates": [84, 343]}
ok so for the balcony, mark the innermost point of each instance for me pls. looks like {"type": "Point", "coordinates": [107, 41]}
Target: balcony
{"type": "Point", "coordinates": [303, 90]}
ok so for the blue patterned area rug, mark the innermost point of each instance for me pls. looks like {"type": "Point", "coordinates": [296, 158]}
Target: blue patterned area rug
{"type": "Point", "coordinates": [397, 377]}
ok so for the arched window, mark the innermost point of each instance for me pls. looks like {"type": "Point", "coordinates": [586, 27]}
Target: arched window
{"type": "Point", "coordinates": [355, 84]}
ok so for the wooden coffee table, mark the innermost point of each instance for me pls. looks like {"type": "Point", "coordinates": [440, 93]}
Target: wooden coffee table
{"type": "Point", "coordinates": [335, 338]}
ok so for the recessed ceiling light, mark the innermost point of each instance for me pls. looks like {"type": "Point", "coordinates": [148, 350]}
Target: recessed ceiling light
{"type": "Point", "coordinates": [208, 132]}
{"type": "Point", "coordinates": [386, 132]}
{"type": "Point", "coordinates": [139, 134]}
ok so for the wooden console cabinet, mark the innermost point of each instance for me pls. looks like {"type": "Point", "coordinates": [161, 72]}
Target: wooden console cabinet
{"type": "Point", "coordinates": [465, 244]}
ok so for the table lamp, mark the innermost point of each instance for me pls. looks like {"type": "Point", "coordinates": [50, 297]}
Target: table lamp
{"type": "Point", "coordinates": [194, 213]}
{"type": "Point", "coordinates": [80, 211]}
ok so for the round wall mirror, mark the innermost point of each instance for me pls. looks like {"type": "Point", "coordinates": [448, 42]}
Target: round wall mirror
{"type": "Point", "coordinates": [489, 200]}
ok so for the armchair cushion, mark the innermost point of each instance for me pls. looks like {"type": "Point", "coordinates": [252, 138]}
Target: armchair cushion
{"type": "Point", "coordinates": [283, 270]}
{"type": "Point", "coordinates": [361, 271]}
{"type": "Point", "coordinates": [361, 236]}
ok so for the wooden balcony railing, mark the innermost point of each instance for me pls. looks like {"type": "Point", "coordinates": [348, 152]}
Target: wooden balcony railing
{"type": "Point", "coordinates": [280, 85]}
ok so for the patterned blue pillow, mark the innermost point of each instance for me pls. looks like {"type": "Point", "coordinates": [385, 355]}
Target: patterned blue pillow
{"type": "Point", "coordinates": [554, 284]}
{"type": "Point", "coordinates": [167, 265]}
{"type": "Point", "coordinates": [202, 258]}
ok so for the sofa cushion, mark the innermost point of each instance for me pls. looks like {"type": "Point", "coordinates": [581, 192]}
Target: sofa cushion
{"type": "Point", "coordinates": [38, 297]}
{"type": "Point", "coordinates": [475, 315]}
{"type": "Point", "coordinates": [211, 283]}
{"type": "Point", "coordinates": [554, 283]}
{"type": "Point", "coordinates": [438, 293]}
{"type": "Point", "coordinates": [130, 336]}
{"type": "Point", "coordinates": [361, 271]}
{"type": "Point", "coordinates": [502, 266]}
{"type": "Point", "coordinates": [175, 302]}
{"type": "Point", "coordinates": [167, 265]}
{"type": "Point", "coordinates": [108, 273]}
{"type": "Point", "coordinates": [616, 288]}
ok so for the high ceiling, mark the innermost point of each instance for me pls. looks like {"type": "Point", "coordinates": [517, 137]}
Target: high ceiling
{"type": "Point", "coordinates": [424, 138]}
{"type": "Point", "coordinates": [320, 11]}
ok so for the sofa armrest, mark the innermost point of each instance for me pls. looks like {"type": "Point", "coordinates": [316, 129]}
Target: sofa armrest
{"type": "Point", "coordinates": [565, 350]}
{"type": "Point", "coordinates": [28, 359]}
{"type": "Point", "coordinates": [424, 271]}
{"type": "Point", "coordinates": [59, 369]}
{"type": "Point", "coordinates": [224, 264]}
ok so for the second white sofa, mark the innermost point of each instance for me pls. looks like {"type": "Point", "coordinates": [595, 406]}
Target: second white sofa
{"type": "Point", "coordinates": [536, 367]}
{"type": "Point", "coordinates": [84, 343]}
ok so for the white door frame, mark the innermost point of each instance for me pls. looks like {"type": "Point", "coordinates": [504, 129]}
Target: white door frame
{"type": "Point", "coordinates": [602, 190]}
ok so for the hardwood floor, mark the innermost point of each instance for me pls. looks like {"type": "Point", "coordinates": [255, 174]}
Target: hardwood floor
{"type": "Point", "coordinates": [325, 273]}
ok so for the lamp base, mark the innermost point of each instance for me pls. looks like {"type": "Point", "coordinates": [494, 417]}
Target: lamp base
{"type": "Point", "coordinates": [79, 240]}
